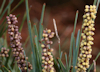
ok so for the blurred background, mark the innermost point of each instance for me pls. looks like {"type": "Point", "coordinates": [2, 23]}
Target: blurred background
{"type": "Point", "coordinates": [64, 13]}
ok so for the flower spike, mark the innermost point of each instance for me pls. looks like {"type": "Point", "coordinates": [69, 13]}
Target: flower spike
{"type": "Point", "coordinates": [47, 58]}
{"type": "Point", "coordinates": [16, 45]}
{"type": "Point", "coordinates": [87, 39]}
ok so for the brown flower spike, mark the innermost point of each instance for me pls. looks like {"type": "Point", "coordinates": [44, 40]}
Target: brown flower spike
{"type": "Point", "coordinates": [16, 45]}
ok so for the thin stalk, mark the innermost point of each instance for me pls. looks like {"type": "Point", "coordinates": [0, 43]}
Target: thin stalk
{"type": "Point", "coordinates": [2, 6]}
{"type": "Point", "coordinates": [66, 62]}
{"type": "Point", "coordinates": [41, 22]}
{"type": "Point", "coordinates": [95, 1]}
{"type": "Point", "coordinates": [75, 22]}
{"type": "Point", "coordinates": [70, 51]}
{"type": "Point", "coordinates": [21, 26]}
{"type": "Point", "coordinates": [6, 8]}
{"type": "Point", "coordinates": [5, 68]}
{"type": "Point", "coordinates": [30, 33]}
{"type": "Point", "coordinates": [21, 1]}
{"type": "Point", "coordinates": [59, 51]}
{"type": "Point", "coordinates": [26, 41]}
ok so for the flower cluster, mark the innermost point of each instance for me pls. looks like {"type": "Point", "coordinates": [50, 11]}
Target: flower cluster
{"type": "Point", "coordinates": [87, 39]}
{"type": "Point", "coordinates": [47, 58]}
{"type": "Point", "coordinates": [16, 45]}
{"type": "Point", "coordinates": [4, 52]}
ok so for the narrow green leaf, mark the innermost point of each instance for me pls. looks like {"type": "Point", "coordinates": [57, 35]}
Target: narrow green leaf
{"type": "Point", "coordinates": [30, 33]}
{"type": "Point", "coordinates": [41, 27]}
{"type": "Point", "coordinates": [56, 65]}
{"type": "Point", "coordinates": [2, 24]}
{"type": "Point", "coordinates": [33, 70]}
{"type": "Point", "coordinates": [70, 50]}
{"type": "Point", "coordinates": [6, 9]}
{"type": "Point", "coordinates": [12, 63]}
{"type": "Point", "coordinates": [38, 54]}
{"type": "Point", "coordinates": [73, 69]}
{"type": "Point", "coordinates": [36, 42]}
{"type": "Point", "coordinates": [66, 62]}
{"type": "Point", "coordinates": [15, 67]}
{"type": "Point", "coordinates": [62, 65]}
{"type": "Point", "coordinates": [3, 30]}
{"type": "Point", "coordinates": [59, 50]}
{"type": "Point", "coordinates": [21, 1]}
{"type": "Point", "coordinates": [5, 69]}
{"type": "Point", "coordinates": [35, 30]}
{"type": "Point", "coordinates": [77, 46]}
{"type": "Point", "coordinates": [76, 50]}
{"type": "Point", "coordinates": [21, 26]}
{"type": "Point", "coordinates": [95, 1]}
{"type": "Point", "coordinates": [61, 55]}
{"type": "Point", "coordinates": [9, 9]}
{"type": "Point", "coordinates": [20, 69]}
{"type": "Point", "coordinates": [76, 17]}
{"type": "Point", "coordinates": [97, 4]}
{"type": "Point", "coordinates": [41, 22]}
{"type": "Point", "coordinates": [1, 43]}
{"type": "Point", "coordinates": [26, 41]}
{"type": "Point", "coordinates": [2, 6]}
{"type": "Point", "coordinates": [1, 70]}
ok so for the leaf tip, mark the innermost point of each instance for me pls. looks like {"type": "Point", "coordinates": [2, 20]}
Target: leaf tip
{"type": "Point", "coordinates": [34, 24]}
{"type": "Point", "coordinates": [77, 11]}
{"type": "Point", "coordinates": [44, 4]}
{"type": "Point", "coordinates": [35, 36]}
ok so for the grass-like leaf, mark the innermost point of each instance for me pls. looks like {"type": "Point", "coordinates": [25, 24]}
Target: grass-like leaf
{"type": "Point", "coordinates": [95, 1]}
{"type": "Point", "coordinates": [27, 39]}
{"type": "Point", "coordinates": [2, 6]}
{"type": "Point", "coordinates": [21, 1]}
{"type": "Point", "coordinates": [20, 69]}
{"type": "Point", "coordinates": [76, 50]}
{"type": "Point", "coordinates": [75, 22]}
{"type": "Point", "coordinates": [74, 47]}
{"type": "Point", "coordinates": [6, 9]}
{"type": "Point", "coordinates": [5, 69]}
{"type": "Point", "coordinates": [59, 51]}
{"type": "Point", "coordinates": [1, 43]}
{"type": "Point", "coordinates": [30, 33]}
{"type": "Point", "coordinates": [70, 51]}
{"type": "Point", "coordinates": [21, 26]}
{"type": "Point", "coordinates": [32, 59]}
{"type": "Point", "coordinates": [3, 30]}
{"type": "Point", "coordinates": [41, 22]}
{"type": "Point", "coordinates": [61, 54]}
{"type": "Point", "coordinates": [62, 65]}
{"type": "Point", "coordinates": [1, 70]}
{"type": "Point", "coordinates": [66, 62]}
{"type": "Point", "coordinates": [56, 65]}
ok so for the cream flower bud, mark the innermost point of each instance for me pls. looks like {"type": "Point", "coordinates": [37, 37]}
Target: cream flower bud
{"type": "Point", "coordinates": [85, 46]}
